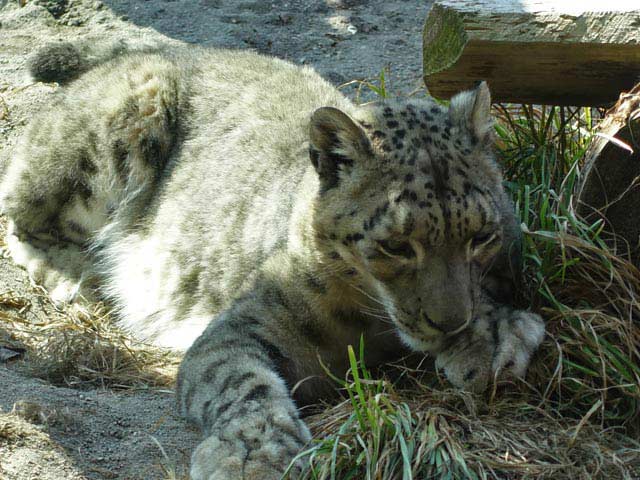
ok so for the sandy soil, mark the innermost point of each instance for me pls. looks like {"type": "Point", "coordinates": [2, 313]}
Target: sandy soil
{"type": "Point", "coordinates": [50, 432]}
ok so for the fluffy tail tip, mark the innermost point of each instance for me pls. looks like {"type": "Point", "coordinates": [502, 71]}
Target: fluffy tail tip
{"type": "Point", "coordinates": [56, 62]}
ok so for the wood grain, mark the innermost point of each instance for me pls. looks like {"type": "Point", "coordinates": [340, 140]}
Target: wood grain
{"type": "Point", "coordinates": [545, 52]}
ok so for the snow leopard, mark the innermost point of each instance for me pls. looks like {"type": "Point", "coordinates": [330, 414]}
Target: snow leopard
{"type": "Point", "coordinates": [242, 210]}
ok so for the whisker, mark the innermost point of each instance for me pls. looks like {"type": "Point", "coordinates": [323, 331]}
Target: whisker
{"type": "Point", "coordinates": [371, 309]}
{"type": "Point", "coordinates": [384, 332]}
{"type": "Point", "coordinates": [379, 317]}
{"type": "Point", "coordinates": [370, 297]}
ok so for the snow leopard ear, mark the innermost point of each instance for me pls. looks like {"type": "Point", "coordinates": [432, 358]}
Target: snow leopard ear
{"type": "Point", "coordinates": [336, 143]}
{"type": "Point", "coordinates": [472, 110]}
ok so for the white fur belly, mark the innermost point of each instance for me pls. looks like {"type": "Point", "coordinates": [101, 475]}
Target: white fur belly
{"type": "Point", "coordinates": [141, 281]}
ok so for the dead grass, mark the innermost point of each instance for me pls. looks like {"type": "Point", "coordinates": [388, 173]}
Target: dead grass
{"type": "Point", "coordinates": [592, 357]}
{"type": "Point", "coordinates": [82, 347]}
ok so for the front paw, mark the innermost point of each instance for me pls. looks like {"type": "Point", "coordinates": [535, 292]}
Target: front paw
{"type": "Point", "coordinates": [497, 345]}
{"type": "Point", "coordinates": [247, 457]}
{"type": "Point", "coordinates": [215, 459]}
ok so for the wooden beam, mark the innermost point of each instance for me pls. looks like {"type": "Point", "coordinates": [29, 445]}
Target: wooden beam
{"type": "Point", "coordinates": [533, 51]}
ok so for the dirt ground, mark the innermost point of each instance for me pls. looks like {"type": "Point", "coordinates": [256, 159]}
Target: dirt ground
{"type": "Point", "coordinates": [52, 432]}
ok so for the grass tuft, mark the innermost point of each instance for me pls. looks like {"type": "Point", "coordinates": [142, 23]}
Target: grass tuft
{"type": "Point", "coordinates": [422, 432]}
{"type": "Point", "coordinates": [588, 294]}
{"type": "Point", "coordinates": [83, 348]}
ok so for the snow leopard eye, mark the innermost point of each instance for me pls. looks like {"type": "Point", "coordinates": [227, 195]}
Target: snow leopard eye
{"type": "Point", "coordinates": [395, 248]}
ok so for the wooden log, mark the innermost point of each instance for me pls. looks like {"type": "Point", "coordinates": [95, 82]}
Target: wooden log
{"type": "Point", "coordinates": [610, 186]}
{"type": "Point", "coordinates": [555, 52]}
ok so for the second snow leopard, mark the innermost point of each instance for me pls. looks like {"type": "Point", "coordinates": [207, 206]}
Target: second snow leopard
{"type": "Point", "coordinates": [242, 208]}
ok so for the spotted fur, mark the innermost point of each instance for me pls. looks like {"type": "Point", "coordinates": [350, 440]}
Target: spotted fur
{"type": "Point", "coordinates": [242, 209]}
